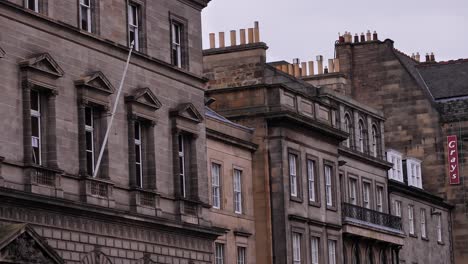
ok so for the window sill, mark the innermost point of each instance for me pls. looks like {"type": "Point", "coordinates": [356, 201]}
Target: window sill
{"type": "Point", "coordinates": [440, 243]}
{"type": "Point", "coordinates": [425, 239]}
{"type": "Point", "coordinates": [295, 199]}
{"type": "Point", "coordinates": [315, 204]}
{"type": "Point", "coordinates": [332, 208]}
{"type": "Point", "coordinates": [413, 235]}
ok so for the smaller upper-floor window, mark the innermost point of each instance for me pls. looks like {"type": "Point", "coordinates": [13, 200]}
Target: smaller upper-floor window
{"type": "Point", "coordinates": [332, 251]}
{"type": "Point", "coordinates": [237, 191]}
{"type": "Point", "coordinates": [219, 253]}
{"type": "Point", "coordinates": [241, 255]}
{"type": "Point", "coordinates": [423, 223]}
{"type": "Point", "coordinates": [32, 5]}
{"type": "Point", "coordinates": [90, 131]}
{"type": "Point", "coordinates": [348, 128]}
{"type": "Point", "coordinates": [366, 195]}
{"type": "Point", "coordinates": [85, 15]}
{"type": "Point", "coordinates": [375, 141]}
{"type": "Point", "coordinates": [134, 26]}
{"type": "Point", "coordinates": [397, 208]}
{"type": "Point", "coordinates": [361, 140]}
{"type": "Point", "coordinates": [138, 154]}
{"type": "Point", "coordinates": [439, 228]}
{"type": "Point", "coordinates": [312, 181]}
{"type": "Point", "coordinates": [215, 185]}
{"type": "Point", "coordinates": [328, 170]}
{"type": "Point", "coordinates": [176, 44]}
{"type": "Point", "coordinates": [396, 172]}
{"type": "Point", "coordinates": [352, 191]}
{"type": "Point", "coordinates": [411, 219]}
{"type": "Point", "coordinates": [296, 243]}
{"type": "Point", "coordinates": [413, 169]}
{"type": "Point", "coordinates": [379, 199]}
{"type": "Point", "coordinates": [293, 164]}
{"type": "Point", "coordinates": [36, 135]}
{"type": "Point", "coordinates": [314, 249]}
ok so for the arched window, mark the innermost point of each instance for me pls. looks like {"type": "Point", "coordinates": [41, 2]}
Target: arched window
{"type": "Point", "coordinates": [361, 136]}
{"type": "Point", "coordinates": [356, 258]}
{"type": "Point", "coordinates": [375, 141]}
{"type": "Point", "coordinates": [348, 128]}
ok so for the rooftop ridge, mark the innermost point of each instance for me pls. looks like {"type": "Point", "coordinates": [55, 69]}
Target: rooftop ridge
{"type": "Point", "coordinates": [404, 54]}
{"type": "Point", "coordinates": [441, 63]}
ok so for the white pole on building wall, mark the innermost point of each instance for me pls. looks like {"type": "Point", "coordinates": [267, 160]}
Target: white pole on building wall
{"type": "Point", "coordinates": [106, 136]}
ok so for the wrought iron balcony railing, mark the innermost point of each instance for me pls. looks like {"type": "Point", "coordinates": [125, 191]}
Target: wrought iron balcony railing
{"type": "Point", "coordinates": [371, 216]}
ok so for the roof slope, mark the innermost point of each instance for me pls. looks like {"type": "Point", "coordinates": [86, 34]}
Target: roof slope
{"type": "Point", "coordinates": [446, 79]}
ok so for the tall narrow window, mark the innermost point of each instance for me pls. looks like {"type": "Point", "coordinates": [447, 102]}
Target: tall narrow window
{"type": "Point", "coordinates": [328, 185]}
{"type": "Point", "coordinates": [176, 44]}
{"type": "Point", "coordinates": [85, 15]}
{"type": "Point", "coordinates": [134, 26]}
{"type": "Point", "coordinates": [361, 135]}
{"type": "Point", "coordinates": [439, 228]}
{"type": "Point", "coordinates": [90, 131]}
{"type": "Point", "coordinates": [293, 174]}
{"type": "Point", "coordinates": [366, 195]}
{"type": "Point", "coordinates": [411, 219]}
{"type": "Point", "coordinates": [348, 129]}
{"type": "Point", "coordinates": [237, 191]}
{"type": "Point", "coordinates": [314, 249]}
{"type": "Point", "coordinates": [32, 5]}
{"type": "Point", "coordinates": [374, 141]}
{"type": "Point", "coordinates": [241, 255]}
{"type": "Point", "coordinates": [397, 208]}
{"type": "Point", "coordinates": [36, 127]}
{"type": "Point", "coordinates": [332, 251]}
{"type": "Point", "coordinates": [296, 237]}
{"type": "Point", "coordinates": [423, 223]}
{"type": "Point", "coordinates": [219, 253]}
{"type": "Point", "coordinates": [352, 191]}
{"type": "Point", "coordinates": [182, 173]}
{"type": "Point", "coordinates": [379, 199]}
{"type": "Point", "coordinates": [138, 156]}
{"type": "Point", "coordinates": [215, 185]}
{"type": "Point", "coordinates": [311, 179]}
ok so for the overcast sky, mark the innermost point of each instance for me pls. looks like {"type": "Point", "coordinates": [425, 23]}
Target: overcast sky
{"type": "Point", "coordinates": [306, 28]}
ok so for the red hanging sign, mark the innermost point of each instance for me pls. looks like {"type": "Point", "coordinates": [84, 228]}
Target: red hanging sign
{"type": "Point", "coordinates": [453, 159]}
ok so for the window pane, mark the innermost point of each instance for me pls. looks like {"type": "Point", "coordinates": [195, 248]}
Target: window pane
{"type": "Point", "coordinates": [89, 141]}
{"type": "Point", "coordinates": [88, 116]}
{"type": "Point", "coordinates": [219, 253]}
{"type": "Point", "coordinates": [328, 185]}
{"type": "Point", "coordinates": [138, 153]}
{"type": "Point", "coordinates": [241, 255]}
{"type": "Point", "coordinates": [34, 100]}
{"type": "Point", "coordinates": [89, 163]}
{"type": "Point", "coordinates": [292, 174]}
{"type": "Point", "coordinates": [311, 179]}
{"type": "Point", "coordinates": [138, 175]}
{"type": "Point", "coordinates": [35, 126]}
{"type": "Point", "coordinates": [215, 175]}
{"type": "Point", "coordinates": [296, 248]}
{"type": "Point", "coordinates": [314, 244]}
{"type": "Point", "coordinates": [238, 191]}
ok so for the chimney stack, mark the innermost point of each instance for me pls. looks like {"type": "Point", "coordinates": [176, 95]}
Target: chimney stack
{"type": "Point", "coordinates": [212, 40]}
{"type": "Point", "coordinates": [319, 64]}
{"type": "Point", "coordinates": [356, 38]}
{"type": "Point", "coordinates": [340, 38]}
{"type": "Point", "coordinates": [311, 68]}
{"type": "Point", "coordinates": [250, 35]}
{"type": "Point", "coordinates": [374, 36]}
{"type": "Point", "coordinates": [417, 57]}
{"type": "Point", "coordinates": [304, 69]}
{"type": "Point", "coordinates": [242, 36]}
{"type": "Point", "coordinates": [363, 37]}
{"type": "Point", "coordinates": [221, 40]}
{"type": "Point", "coordinates": [428, 58]}
{"type": "Point", "coordinates": [432, 57]}
{"type": "Point", "coordinates": [233, 38]}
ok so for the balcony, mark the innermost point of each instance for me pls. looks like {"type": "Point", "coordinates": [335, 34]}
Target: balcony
{"type": "Point", "coordinates": [372, 217]}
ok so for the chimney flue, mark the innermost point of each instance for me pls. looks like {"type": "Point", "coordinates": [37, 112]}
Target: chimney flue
{"type": "Point", "coordinates": [319, 64]}
{"type": "Point", "coordinates": [242, 36]}
{"type": "Point", "coordinates": [326, 70]}
{"type": "Point", "coordinates": [331, 66]}
{"type": "Point", "coordinates": [356, 38]}
{"type": "Point", "coordinates": [417, 57]}
{"type": "Point", "coordinates": [304, 69]}
{"type": "Point", "coordinates": [375, 36]}
{"type": "Point", "coordinates": [428, 58]}
{"type": "Point", "coordinates": [336, 63]}
{"type": "Point", "coordinates": [432, 57]}
{"type": "Point", "coordinates": [233, 38]}
{"type": "Point", "coordinates": [257, 31]}
{"type": "Point", "coordinates": [311, 68]}
{"type": "Point", "coordinates": [368, 35]}
{"type": "Point", "coordinates": [212, 40]}
{"type": "Point", "coordinates": [221, 40]}
{"type": "Point", "coordinates": [250, 35]}
{"type": "Point", "coordinates": [363, 37]}
{"type": "Point", "coordinates": [340, 38]}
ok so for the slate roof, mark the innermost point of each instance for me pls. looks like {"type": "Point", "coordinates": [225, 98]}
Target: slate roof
{"type": "Point", "coordinates": [211, 113]}
{"type": "Point", "coordinates": [443, 80]}
{"type": "Point", "coordinates": [446, 79]}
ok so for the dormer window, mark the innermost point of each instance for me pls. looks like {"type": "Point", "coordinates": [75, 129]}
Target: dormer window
{"type": "Point", "coordinates": [413, 172]}
{"type": "Point", "coordinates": [396, 172]}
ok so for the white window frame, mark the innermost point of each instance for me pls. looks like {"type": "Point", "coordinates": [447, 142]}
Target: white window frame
{"type": "Point", "coordinates": [296, 243]}
{"type": "Point", "coordinates": [314, 249]}
{"type": "Point", "coordinates": [177, 42]}
{"type": "Point", "coordinates": [374, 141]}
{"type": "Point", "coordinates": [36, 140]}
{"type": "Point", "coordinates": [138, 143]}
{"type": "Point", "coordinates": [237, 191]}
{"type": "Point", "coordinates": [36, 5]}
{"type": "Point", "coordinates": [219, 253]}
{"type": "Point", "coordinates": [311, 180]}
{"type": "Point", "coordinates": [328, 184]}
{"type": "Point", "coordinates": [396, 172]}
{"type": "Point", "coordinates": [347, 128]}
{"type": "Point", "coordinates": [397, 205]}
{"type": "Point", "coordinates": [422, 217]}
{"type": "Point", "coordinates": [293, 174]}
{"type": "Point", "coordinates": [411, 220]}
{"type": "Point", "coordinates": [353, 191]}
{"type": "Point", "coordinates": [215, 184]}
{"type": "Point", "coordinates": [241, 255]}
{"type": "Point", "coordinates": [379, 198]}
{"type": "Point", "coordinates": [331, 251]}
{"type": "Point", "coordinates": [88, 14]}
{"type": "Point", "coordinates": [182, 174]}
{"type": "Point", "coordinates": [133, 24]}
{"type": "Point", "coordinates": [366, 186]}
{"type": "Point", "coordinates": [413, 169]}
{"type": "Point", "coordinates": [439, 228]}
{"type": "Point", "coordinates": [89, 128]}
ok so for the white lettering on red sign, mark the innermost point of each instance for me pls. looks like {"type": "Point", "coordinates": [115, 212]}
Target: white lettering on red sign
{"type": "Point", "coordinates": [453, 159]}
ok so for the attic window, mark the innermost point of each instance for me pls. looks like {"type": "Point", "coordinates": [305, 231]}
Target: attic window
{"type": "Point", "coordinates": [413, 172]}
{"type": "Point", "coordinates": [396, 172]}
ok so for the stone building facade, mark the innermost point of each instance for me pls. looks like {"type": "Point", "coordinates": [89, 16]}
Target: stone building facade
{"type": "Point", "coordinates": [61, 63]}
{"type": "Point", "coordinates": [312, 144]}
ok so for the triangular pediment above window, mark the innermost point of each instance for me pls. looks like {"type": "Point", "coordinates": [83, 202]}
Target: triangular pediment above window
{"type": "Point", "coordinates": [43, 63]}
{"type": "Point", "coordinates": [145, 97]}
{"type": "Point", "coordinates": [2, 53]}
{"type": "Point", "coordinates": [19, 243]}
{"type": "Point", "coordinates": [189, 111]}
{"type": "Point", "coordinates": [96, 80]}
